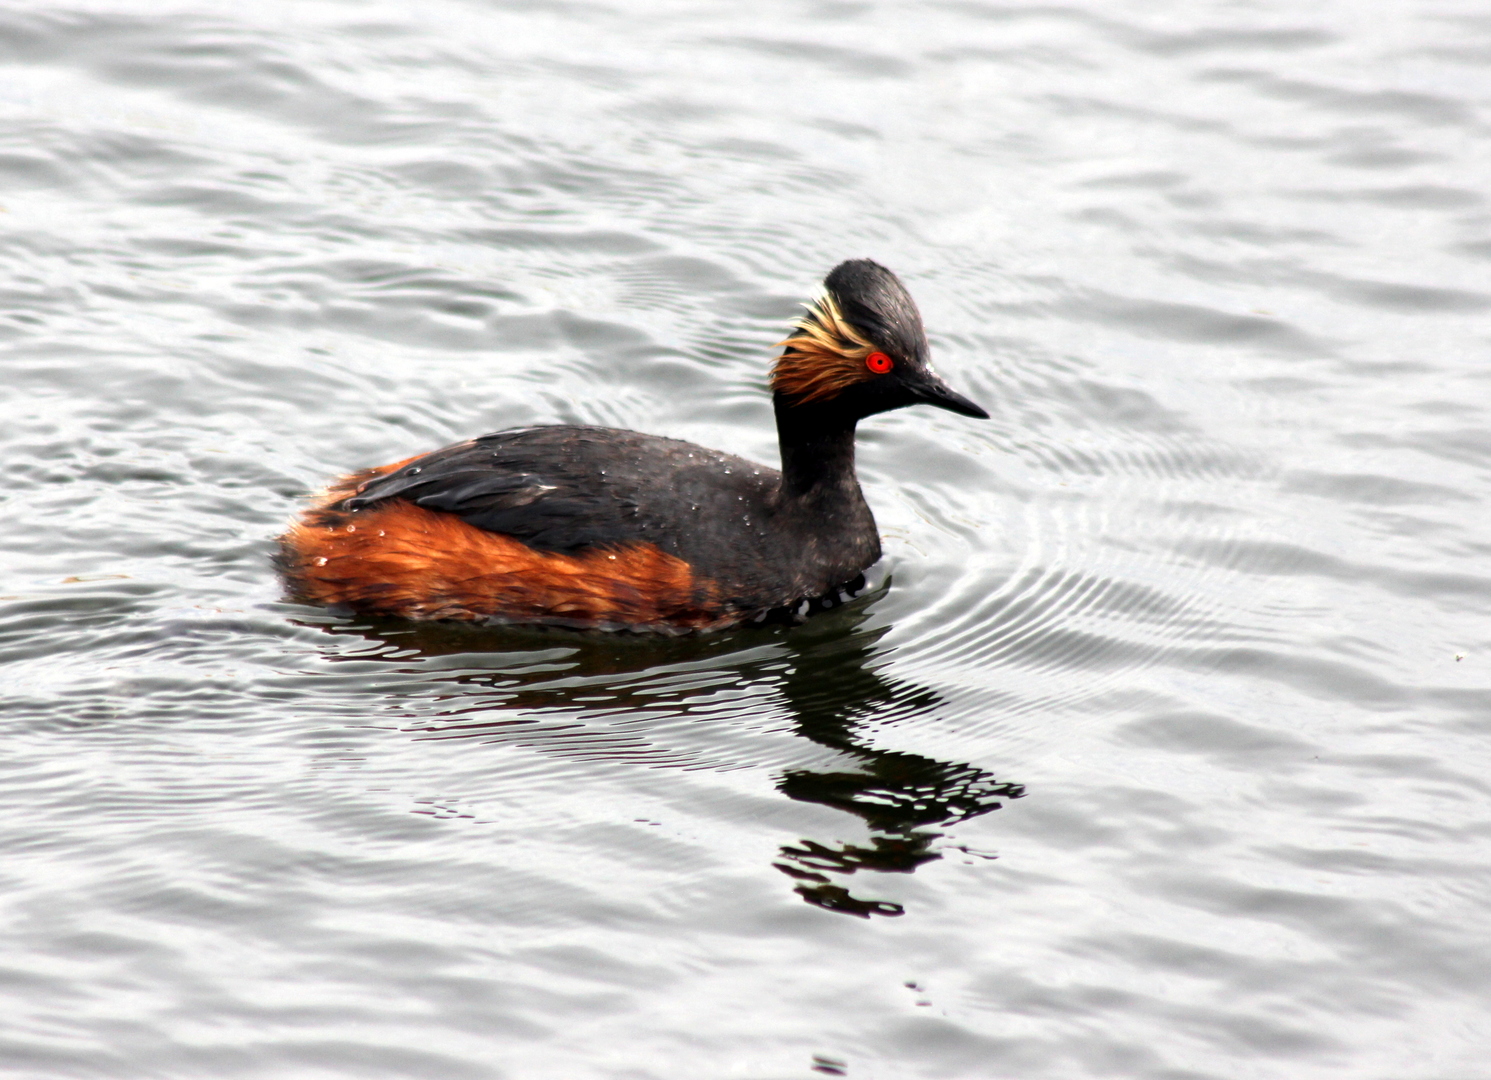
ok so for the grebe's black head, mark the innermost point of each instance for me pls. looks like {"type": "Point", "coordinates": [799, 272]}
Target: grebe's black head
{"type": "Point", "coordinates": [861, 350]}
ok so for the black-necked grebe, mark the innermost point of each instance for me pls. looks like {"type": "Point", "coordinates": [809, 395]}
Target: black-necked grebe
{"type": "Point", "coordinates": [600, 528]}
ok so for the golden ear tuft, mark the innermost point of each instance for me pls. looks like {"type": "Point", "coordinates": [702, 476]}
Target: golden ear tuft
{"type": "Point", "coordinates": [825, 356]}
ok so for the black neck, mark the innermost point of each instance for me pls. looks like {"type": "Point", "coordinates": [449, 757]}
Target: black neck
{"type": "Point", "coordinates": [817, 449]}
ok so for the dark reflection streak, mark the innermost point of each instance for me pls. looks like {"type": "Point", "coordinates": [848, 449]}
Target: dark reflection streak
{"type": "Point", "coordinates": [822, 672]}
{"type": "Point", "coordinates": [831, 691]}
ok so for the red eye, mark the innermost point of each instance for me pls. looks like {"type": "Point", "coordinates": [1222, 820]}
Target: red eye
{"type": "Point", "coordinates": [879, 363]}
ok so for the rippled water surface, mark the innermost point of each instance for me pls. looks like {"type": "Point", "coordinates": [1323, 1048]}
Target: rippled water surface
{"type": "Point", "coordinates": [1162, 748]}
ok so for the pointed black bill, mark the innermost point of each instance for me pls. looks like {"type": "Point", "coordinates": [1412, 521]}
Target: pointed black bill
{"type": "Point", "coordinates": [933, 391]}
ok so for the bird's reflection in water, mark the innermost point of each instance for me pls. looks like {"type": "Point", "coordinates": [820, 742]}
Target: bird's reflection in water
{"type": "Point", "coordinates": [823, 673]}
{"type": "Point", "coordinates": [833, 690]}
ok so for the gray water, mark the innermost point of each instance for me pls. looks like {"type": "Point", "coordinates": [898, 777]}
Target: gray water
{"type": "Point", "coordinates": [1161, 750]}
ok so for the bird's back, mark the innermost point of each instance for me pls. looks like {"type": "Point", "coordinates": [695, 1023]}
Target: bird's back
{"type": "Point", "coordinates": [687, 535]}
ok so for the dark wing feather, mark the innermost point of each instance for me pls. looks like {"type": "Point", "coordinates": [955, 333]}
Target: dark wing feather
{"type": "Point", "coordinates": [544, 486]}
